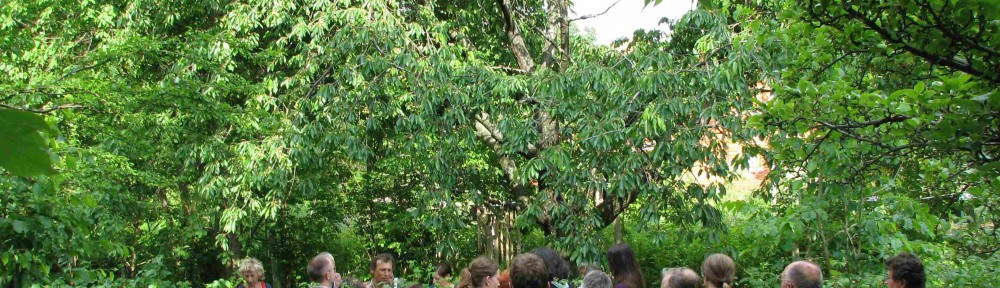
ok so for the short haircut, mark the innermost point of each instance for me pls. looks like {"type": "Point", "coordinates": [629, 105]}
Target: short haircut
{"type": "Point", "coordinates": [384, 258]}
{"type": "Point", "coordinates": [801, 278]}
{"type": "Point", "coordinates": [556, 266]}
{"type": "Point", "coordinates": [252, 265]}
{"type": "Point", "coordinates": [596, 279]}
{"type": "Point", "coordinates": [504, 279]}
{"type": "Point", "coordinates": [586, 268]}
{"type": "Point", "coordinates": [443, 269]}
{"type": "Point", "coordinates": [528, 271]}
{"type": "Point", "coordinates": [682, 278]}
{"type": "Point", "coordinates": [318, 265]}
{"type": "Point", "coordinates": [907, 267]}
{"type": "Point", "coordinates": [351, 282]}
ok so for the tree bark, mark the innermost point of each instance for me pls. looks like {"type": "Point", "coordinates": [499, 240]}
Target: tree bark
{"type": "Point", "coordinates": [517, 44]}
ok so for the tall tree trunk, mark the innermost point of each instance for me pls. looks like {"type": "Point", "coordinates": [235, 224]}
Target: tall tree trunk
{"type": "Point", "coordinates": [235, 247]}
{"type": "Point", "coordinates": [273, 266]}
{"type": "Point", "coordinates": [619, 229]}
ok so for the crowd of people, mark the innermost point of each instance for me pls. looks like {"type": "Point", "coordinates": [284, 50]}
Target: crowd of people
{"type": "Point", "coordinates": [545, 268]}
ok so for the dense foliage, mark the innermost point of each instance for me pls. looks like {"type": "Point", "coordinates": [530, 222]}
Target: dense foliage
{"type": "Point", "coordinates": [149, 142]}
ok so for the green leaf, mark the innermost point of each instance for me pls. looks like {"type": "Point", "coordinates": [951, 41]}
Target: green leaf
{"type": "Point", "coordinates": [25, 152]}
{"type": "Point", "coordinates": [19, 226]}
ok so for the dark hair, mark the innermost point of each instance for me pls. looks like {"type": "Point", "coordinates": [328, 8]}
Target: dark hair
{"type": "Point", "coordinates": [318, 265]}
{"type": "Point", "coordinates": [906, 267]}
{"type": "Point", "coordinates": [624, 268]}
{"type": "Point", "coordinates": [556, 266]}
{"type": "Point", "coordinates": [351, 282]}
{"type": "Point", "coordinates": [443, 269]}
{"type": "Point", "coordinates": [682, 278]}
{"type": "Point", "coordinates": [478, 270]}
{"type": "Point", "coordinates": [528, 271]}
{"type": "Point", "coordinates": [718, 270]}
{"type": "Point", "coordinates": [383, 257]}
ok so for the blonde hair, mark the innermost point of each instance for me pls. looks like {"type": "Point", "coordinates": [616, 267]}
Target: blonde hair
{"type": "Point", "coordinates": [252, 265]}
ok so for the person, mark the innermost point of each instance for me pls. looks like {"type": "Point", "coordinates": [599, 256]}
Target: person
{"type": "Point", "coordinates": [528, 271]}
{"type": "Point", "coordinates": [905, 271]}
{"type": "Point", "coordinates": [322, 270]}
{"type": "Point", "coordinates": [624, 267]}
{"type": "Point", "coordinates": [252, 272]}
{"type": "Point", "coordinates": [381, 269]}
{"type": "Point", "coordinates": [718, 271]}
{"type": "Point", "coordinates": [442, 276]}
{"type": "Point", "coordinates": [802, 274]}
{"type": "Point", "coordinates": [352, 282]}
{"type": "Point", "coordinates": [586, 268]}
{"type": "Point", "coordinates": [555, 265]}
{"type": "Point", "coordinates": [679, 278]}
{"type": "Point", "coordinates": [481, 273]}
{"type": "Point", "coordinates": [505, 279]}
{"type": "Point", "coordinates": [596, 279]}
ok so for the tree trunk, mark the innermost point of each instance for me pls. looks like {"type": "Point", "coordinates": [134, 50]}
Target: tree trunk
{"type": "Point", "coordinates": [273, 266]}
{"type": "Point", "coordinates": [619, 227]}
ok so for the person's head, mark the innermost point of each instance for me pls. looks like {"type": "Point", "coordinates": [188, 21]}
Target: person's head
{"type": "Point", "coordinates": [481, 273]}
{"type": "Point", "coordinates": [556, 266]}
{"type": "Point", "coordinates": [351, 282]}
{"type": "Point", "coordinates": [802, 274]}
{"type": "Point", "coordinates": [718, 270]}
{"type": "Point", "coordinates": [905, 271]}
{"type": "Point", "coordinates": [322, 269]}
{"type": "Point", "coordinates": [583, 269]}
{"type": "Point", "coordinates": [381, 268]}
{"type": "Point", "coordinates": [528, 271]}
{"type": "Point", "coordinates": [505, 279]}
{"type": "Point", "coordinates": [251, 270]}
{"type": "Point", "coordinates": [442, 273]}
{"type": "Point", "coordinates": [624, 267]}
{"type": "Point", "coordinates": [596, 279]}
{"type": "Point", "coordinates": [679, 278]}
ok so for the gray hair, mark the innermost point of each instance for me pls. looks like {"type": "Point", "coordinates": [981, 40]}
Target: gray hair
{"type": "Point", "coordinates": [596, 279]}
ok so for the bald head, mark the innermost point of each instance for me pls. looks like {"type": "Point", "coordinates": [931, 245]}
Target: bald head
{"type": "Point", "coordinates": [802, 274]}
{"type": "Point", "coordinates": [680, 278]}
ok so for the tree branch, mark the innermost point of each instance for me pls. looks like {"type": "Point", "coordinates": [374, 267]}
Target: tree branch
{"type": "Point", "coordinates": [585, 17]}
{"type": "Point", "coordinates": [81, 69]}
{"type": "Point", "coordinates": [960, 65]}
{"type": "Point", "coordinates": [876, 123]}
{"type": "Point", "coordinates": [47, 110]}
{"type": "Point", "coordinates": [517, 44]}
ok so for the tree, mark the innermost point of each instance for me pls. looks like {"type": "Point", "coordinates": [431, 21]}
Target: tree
{"type": "Point", "coordinates": [882, 110]}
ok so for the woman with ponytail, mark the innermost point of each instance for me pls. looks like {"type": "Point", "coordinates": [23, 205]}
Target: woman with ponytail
{"type": "Point", "coordinates": [718, 270]}
{"type": "Point", "coordinates": [481, 273]}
